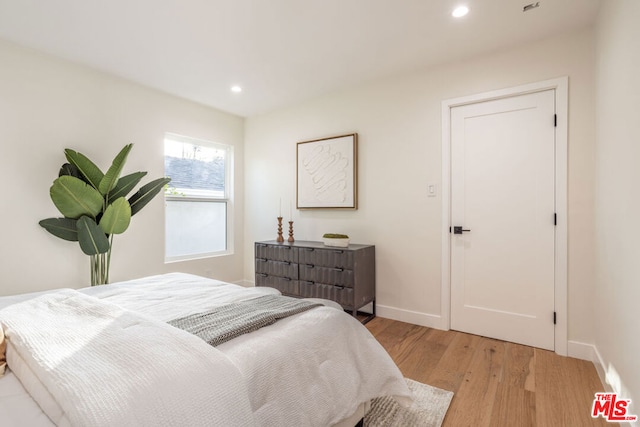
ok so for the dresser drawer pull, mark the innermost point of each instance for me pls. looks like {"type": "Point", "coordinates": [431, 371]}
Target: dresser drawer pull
{"type": "Point", "coordinates": [261, 259]}
{"type": "Point", "coordinates": [338, 251]}
{"type": "Point", "coordinates": [309, 265]}
{"type": "Point", "coordinates": [261, 245]}
{"type": "Point", "coordinates": [309, 249]}
{"type": "Point", "coordinates": [339, 287]}
{"type": "Point", "coordinates": [338, 269]}
{"type": "Point", "coordinates": [288, 279]}
{"type": "Point", "coordinates": [287, 247]}
{"type": "Point", "coordinates": [263, 275]}
{"type": "Point", "coordinates": [309, 283]}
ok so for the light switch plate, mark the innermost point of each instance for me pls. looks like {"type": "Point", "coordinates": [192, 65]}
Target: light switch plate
{"type": "Point", "coordinates": [431, 190]}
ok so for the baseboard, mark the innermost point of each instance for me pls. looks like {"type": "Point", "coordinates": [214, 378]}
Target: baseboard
{"type": "Point", "coordinates": [609, 378]}
{"type": "Point", "coordinates": [613, 384]}
{"type": "Point", "coordinates": [582, 351]}
{"type": "Point", "coordinates": [602, 373]}
{"type": "Point", "coordinates": [415, 317]}
{"type": "Point", "coordinates": [245, 283]}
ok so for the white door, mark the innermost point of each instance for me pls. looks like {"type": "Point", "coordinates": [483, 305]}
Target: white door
{"type": "Point", "coordinates": [503, 192]}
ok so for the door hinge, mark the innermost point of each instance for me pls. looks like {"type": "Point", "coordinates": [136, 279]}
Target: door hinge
{"type": "Point", "coordinates": [554, 317]}
{"type": "Point", "coordinates": [555, 120]}
{"type": "Point", "coordinates": [555, 219]}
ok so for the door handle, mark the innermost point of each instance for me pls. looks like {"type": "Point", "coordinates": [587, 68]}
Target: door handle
{"type": "Point", "coordinates": [458, 230]}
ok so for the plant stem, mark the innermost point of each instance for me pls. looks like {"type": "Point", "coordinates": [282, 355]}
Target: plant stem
{"type": "Point", "coordinates": [92, 260]}
{"type": "Point", "coordinates": [100, 268]}
{"type": "Point", "coordinates": [109, 257]}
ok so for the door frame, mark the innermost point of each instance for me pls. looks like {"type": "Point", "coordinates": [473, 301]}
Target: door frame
{"type": "Point", "coordinates": [561, 87]}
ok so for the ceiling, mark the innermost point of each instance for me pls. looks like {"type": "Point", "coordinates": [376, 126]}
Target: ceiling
{"type": "Point", "coordinates": [280, 51]}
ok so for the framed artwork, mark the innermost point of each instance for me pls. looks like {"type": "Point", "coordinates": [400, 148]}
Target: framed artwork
{"type": "Point", "coordinates": [327, 173]}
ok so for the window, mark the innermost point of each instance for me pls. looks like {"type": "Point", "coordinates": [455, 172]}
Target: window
{"type": "Point", "coordinates": [197, 198]}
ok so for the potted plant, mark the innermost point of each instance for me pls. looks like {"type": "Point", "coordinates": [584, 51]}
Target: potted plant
{"type": "Point", "coordinates": [94, 206]}
{"type": "Point", "coordinates": [337, 240]}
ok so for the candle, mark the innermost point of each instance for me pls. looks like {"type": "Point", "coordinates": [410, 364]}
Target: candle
{"type": "Point", "coordinates": [290, 211]}
{"type": "Point", "coordinates": [280, 214]}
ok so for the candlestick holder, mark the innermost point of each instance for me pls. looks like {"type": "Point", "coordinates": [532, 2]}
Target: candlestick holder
{"type": "Point", "coordinates": [280, 238]}
{"type": "Point", "coordinates": [291, 239]}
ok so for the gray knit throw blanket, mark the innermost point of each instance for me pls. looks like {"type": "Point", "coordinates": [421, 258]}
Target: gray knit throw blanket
{"type": "Point", "coordinates": [226, 322]}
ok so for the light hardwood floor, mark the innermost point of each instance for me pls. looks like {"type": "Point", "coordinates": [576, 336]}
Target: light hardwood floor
{"type": "Point", "coordinates": [496, 383]}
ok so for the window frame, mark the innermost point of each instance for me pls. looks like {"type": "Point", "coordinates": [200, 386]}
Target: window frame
{"type": "Point", "coordinates": [227, 198]}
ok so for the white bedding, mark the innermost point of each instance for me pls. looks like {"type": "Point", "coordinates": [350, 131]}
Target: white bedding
{"type": "Point", "coordinates": [88, 362]}
{"type": "Point", "coordinates": [311, 369]}
{"type": "Point", "coordinates": [17, 408]}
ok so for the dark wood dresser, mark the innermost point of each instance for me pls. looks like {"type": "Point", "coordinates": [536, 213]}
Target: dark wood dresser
{"type": "Point", "coordinates": [313, 270]}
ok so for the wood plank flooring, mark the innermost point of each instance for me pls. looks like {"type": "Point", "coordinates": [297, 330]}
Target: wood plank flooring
{"type": "Point", "coordinates": [496, 383]}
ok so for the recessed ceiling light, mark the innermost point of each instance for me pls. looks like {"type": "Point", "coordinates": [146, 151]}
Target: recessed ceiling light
{"type": "Point", "coordinates": [236, 89]}
{"type": "Point", "coordinates": [460, 11]}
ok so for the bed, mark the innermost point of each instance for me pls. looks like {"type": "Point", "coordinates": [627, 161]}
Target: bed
{"type": "Point", "coordinates": [107, 355]}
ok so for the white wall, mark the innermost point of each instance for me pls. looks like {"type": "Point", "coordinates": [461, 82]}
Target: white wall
{"type": "Point", "coordinates": [399, 127]}
{"type": "Point", "coordinates": [617, 325]}
{"type": "Point", "coordinates": [47, 105]}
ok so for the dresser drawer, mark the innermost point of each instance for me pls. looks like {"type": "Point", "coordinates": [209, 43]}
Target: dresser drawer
{"type": "Point", "coordinates": [313, 270]}
{"type": "Point", "coordinates": [333, 275]}
{"type": "Point", "coordinates": [285, 285]}
{"type": "Point", "coordinates": [276, 252]}
{"type": "Point", "coordinates": [339, 294]}
{"type": "Point", "coordinates": [326, 257]}
{"type": "Point", "coordinates": [277, 268]}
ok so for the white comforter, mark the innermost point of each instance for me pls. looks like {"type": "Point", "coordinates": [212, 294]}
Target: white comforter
{"type": "Point", "coordinates": [100, 365]}
{"type": "Point", "coordinates": [312, 369]}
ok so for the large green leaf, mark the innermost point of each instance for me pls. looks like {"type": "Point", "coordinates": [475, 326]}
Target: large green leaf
{"type": "Point", "coordinates": [92, 239]}
{"type": "Point", "coordinates": [110, 179]}
{"type": "Point", "coordinates": [86, 167]}
{"type": "Point", "coordinates": [72, 170]}
{"type": "Point", "coordinates": [74, 198]}
{"type": "Point", "coordinates": [64, 228]}
{"type": "Point", "coordinates": [147, 192]}
{"type": "Point", "coordinates": [116, 217]}
{"type": "Point", "coordinates": [126, 184]}
{"type": "Point", "coordinates": [69, 169]}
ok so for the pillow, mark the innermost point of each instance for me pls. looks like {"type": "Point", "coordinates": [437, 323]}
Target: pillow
{"type": "Point", "coordinates": [3, 352]}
